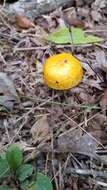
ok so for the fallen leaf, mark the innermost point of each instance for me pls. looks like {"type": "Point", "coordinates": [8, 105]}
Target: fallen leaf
{"type": "Point", "coordinates": [71, 19]}
{"type": "Point", "coordinates": [40, 130]}
{"type": "Point", "coordinates": [8, 94]}
{"type": "Point", "coordinates": [23, 22]}
{"type": "Point", "coordinates": [62, 36]}
{"type": "Point", "coordinates": [75, 142]}
{"type": "Point", "coordinates": [96, 128]}
{"type": "Point", "coordinates": [74, 22]}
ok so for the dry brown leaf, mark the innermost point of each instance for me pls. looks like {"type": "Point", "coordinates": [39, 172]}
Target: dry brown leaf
{"type": "Point", "coordinates": [23, 22]}
{"type": "Point", "coordinates": [71, 19]}
{"type": "Point", "coordinates": [103, 101]}
{"type": "Point", "coordinates": [75, 142]}
{"type": "Point", "coordinates": [40, 130]}
{"type": "Point", "coordinates": [74, 22]}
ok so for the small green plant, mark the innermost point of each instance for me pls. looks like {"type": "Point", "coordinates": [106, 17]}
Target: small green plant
{"type": "Point", "coordinates": [22, 175]}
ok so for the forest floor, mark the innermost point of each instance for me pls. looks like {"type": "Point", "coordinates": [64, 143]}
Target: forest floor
{"type": "Point", "coordinates": [62, 133]}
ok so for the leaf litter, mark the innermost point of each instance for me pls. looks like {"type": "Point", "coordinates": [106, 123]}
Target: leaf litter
{"type": "Point", "coordinates": [38, 122]}
{"type": "Point", "coordinates": [40, 130]}
{"type": "Point", "coordinates": [8, 94]}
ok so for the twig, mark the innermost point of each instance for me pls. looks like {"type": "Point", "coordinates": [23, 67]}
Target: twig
{"type": "Point", "coordinates": [95, 30]}
{"type": "Point", "coordinates": [101, 183]}
{"type": "Point", "coordinates": [102, 46]}
{"type": "Point", "coordinates": [80, 126]}
{"type": "Point", "coordinates": [86, 172]}
{"type": "Point", "coordinates": [30, 48]}
{"type": "Point", "coordinates": [48, 46]}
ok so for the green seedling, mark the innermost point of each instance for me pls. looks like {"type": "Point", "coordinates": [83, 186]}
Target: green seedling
{"type": "Point", "coordinates": [22, 175]}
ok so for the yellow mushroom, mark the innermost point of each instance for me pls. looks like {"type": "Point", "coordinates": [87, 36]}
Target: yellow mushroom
{"type": "Point", "coordinates": [62, 71]}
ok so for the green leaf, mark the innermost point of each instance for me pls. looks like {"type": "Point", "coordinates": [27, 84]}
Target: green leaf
{"type": "Point", "coordinates": [14, 156]}
{"type": "Point", "coordinates": [24, 185]}
{"type": "Point", "coordinates": [4, 167]}
{"type": "Point", "coordinates": [24, 171]}
{"type": "Point", "coordinates": [62, 36]}
{"type": "Point", "coordinates": [42, 183]}
{"type": "Point", "coordinates": [4, 187]}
